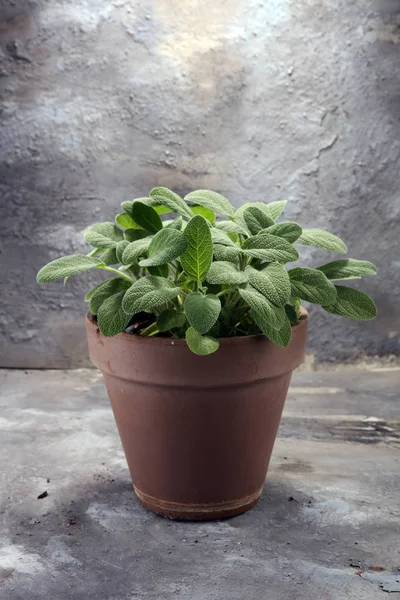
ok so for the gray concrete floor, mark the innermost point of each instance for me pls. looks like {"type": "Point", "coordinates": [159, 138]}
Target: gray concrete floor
{"type": "Point", "coordinates": [327, 526]}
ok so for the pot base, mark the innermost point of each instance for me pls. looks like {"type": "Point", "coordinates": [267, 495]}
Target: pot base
{"type": "Point", "coordinates": [198, 512]}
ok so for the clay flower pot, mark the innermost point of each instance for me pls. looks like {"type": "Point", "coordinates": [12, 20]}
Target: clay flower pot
{"type": "Point", "coordinates": [197, 431]}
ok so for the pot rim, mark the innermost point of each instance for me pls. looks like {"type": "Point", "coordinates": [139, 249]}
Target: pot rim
{"type": "Point", "coordinates": [168, 341]}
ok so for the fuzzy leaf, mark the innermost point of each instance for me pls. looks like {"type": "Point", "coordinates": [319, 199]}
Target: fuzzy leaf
{"type": "Point", "coordinates": [146, 217]}
{"type": "Point", "coordinates": [67, 266]}
{"type": "Point", "coordinates": [200, 345]}
{"type": "Point", "coordinates": [273, 282]}
{"type": "Point", "coordinates": [120, 249]}
{"type": "Point", "coordinates": [111, 319]}
{"type": "Point", "coordinates": [226, 253]}
{"type": "Point", "coordinates": [225, 272]}
{"type": "Point", "coordinates": [280, 337]}
{"type": "Point", "coordinates": [109, 257]}
{"type": "Point", "coordinates": [175, 203]}
{"type": "Point", "coordinates": [198, 257]}
{"type": "Point", "coordinates": [174, 223]}
{"type": "Point", "coordinates": [231, 227]}
{"type": "Point", "coordinates": [92, 291]}
{"type": "Point", "coordinates": [205, 212]}
{"type": "Point", "coordinates": [135, 250]}
{"type": "Point", "coordinates": [132, 235]}
{"type": "Point", "coordinates": [291, 314]}
{"type": "Point", "coordinates": [312, 285]}
{"type": "Point", "coordinates": [288, 230]}
{"type": "Point", "coordinates": [211, 200]}
{"type": "Point", "coordinates": [348, 268]}
{"type": "Point", "coordinates": [239, 218]}
{"type": "Point", "coordinates": [322, 239]}
{"type": "Point", "coordinates": [160, 270]}
{"type": "Point", "coordinates": [103, 235]}
{"type": "Point", "coordinates": [170, 319]}
{"type": "Point", "coordinates": [256, 219]}
{"type": "Point", "coordinates": [352, 304]}
{"type": "Point", "coordinates": [275, 209]}
{"type": "Point", "coordinates": [165, 246]}
{"type": "Point", "coordinates": [105, 290]}
{"type": "Point", "coordinates": [267, 311]}
{"type": "Point", "coordinates": [270, 247]}
{"type": "Point", "coordinates": [125, 221]}
{"type": "Point", "coordinates": [220, 237]}
{"type": "Point", "coordinates": [147, 293]}
{"type": "Point", "coordinates": [202, 311]}
{"type": "Point", "coordinates": [149, 201]}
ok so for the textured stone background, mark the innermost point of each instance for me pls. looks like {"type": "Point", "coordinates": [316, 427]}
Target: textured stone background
{"type": "Point", "coordinates": [102, 100]}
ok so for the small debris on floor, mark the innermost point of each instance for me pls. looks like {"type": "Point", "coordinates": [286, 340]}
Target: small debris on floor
{"type": "Point", "coordinates": [43, 495]}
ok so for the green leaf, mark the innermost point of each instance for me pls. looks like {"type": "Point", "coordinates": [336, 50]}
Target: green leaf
{"type": "Point", "coordinates": [348, 268]}
{"type": "Point", "coordinates": [103, 235]}
{"type": "Point", "coordinates": [111, 318]}
{"type": "Point", "coordinates": [202, 311]}
{"type": "Point", "coordinates": [291, 313]}
{"type": "Point", "coordinates": [225, 272]}
{"type": "Point", "coordinates": [275, 209]}
{"type": "Point", "coordinates": [288, 230]}
{"type": "Point", "coordinates": [165, 246]}
{"type": "Point", "coordinates": [175, 203]}
{"type": "Point", "coordinates": [92, 291]}
{"type": "Point", "coordinates": [231, 227]}
{"type": "Point", "coordinates": [132, 235]}
{"type": "Point", "coordinates": [256, 219]}
{"type": "Point", "coordinates": [226, 253]}
{"type": "Point", "coordinates": [135, 250]}
{"type": "Point", "coordinates": [159, 270]}
{"type": "Point", "coordinates": [205, 212]}
{"type": "Point", "coordinates": [67, 266]}
{"type": "Point", "coordinates": [201, 345]}
{"type": "Point", "coordinates": [270, 247]}
{"type": "Point", "coordinates": [352, 304]}
{"type": "Point", "coordinates": [211, 200]}
{"type": "Point", "coordinates": [125, 221]}
{"type": "Point", "coordinates": [267, 311]}
{"type": "Point", "coordinates": [120, 249]}
{"type": "Point", "coordinates": [149, 201]}
{"type": "Point", "coordinates": [198, 257]}
{"type": "Point", "coordinates": [146, 217]}
{"type": "Point", "coordinates": [160, 209]}
{"type": "Point", "coordinates": [273, 282]}
{"type": "Point", "coordinates": [312, 285]}
{"type": "Point", "coordinates": [105, 290]}
{"type": "Point", "coordinates": [174, 223]}
{"type": "Point", "coordinates": [220, 237]}
{"type": "Point", "coordinates": [170, 319]}
{"type": "Point", "coordinates": [109, 257]}
{"type": "Point", "coordinates": [322, 239]}
{"type": "Point", "coordinates": [148, 293]}
{"type": "Point", "coordinates": [280, 337]}
{"type": "Point", "coordinates": [239, 218]}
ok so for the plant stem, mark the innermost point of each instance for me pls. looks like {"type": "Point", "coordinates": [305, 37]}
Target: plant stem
{"type": "Point", "coordinates": [150, 330]}
{"type": "Point", "coordinates": [223, 292]}
{"type": "Point", "coordinates": [119, 273]}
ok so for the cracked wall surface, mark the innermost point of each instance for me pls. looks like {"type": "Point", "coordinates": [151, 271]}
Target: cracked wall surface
{"type": "Point", "coordinates": [102, 100]}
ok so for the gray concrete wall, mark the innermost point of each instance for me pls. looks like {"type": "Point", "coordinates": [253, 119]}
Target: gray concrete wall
{"type": "Point", "coordinates": [102, 100]}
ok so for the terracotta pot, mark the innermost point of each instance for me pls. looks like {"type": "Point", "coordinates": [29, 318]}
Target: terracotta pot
{"type": "Point", "coordinates": [198, 432]}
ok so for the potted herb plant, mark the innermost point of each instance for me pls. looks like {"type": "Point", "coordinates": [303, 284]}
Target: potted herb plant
{"type": "Point", "coordinates": [197, 333]}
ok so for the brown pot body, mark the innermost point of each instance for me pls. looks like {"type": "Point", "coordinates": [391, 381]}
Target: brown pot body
{"type": "Point", "coordinates": [197, 431]}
